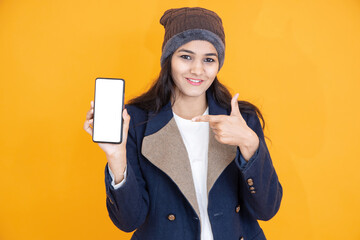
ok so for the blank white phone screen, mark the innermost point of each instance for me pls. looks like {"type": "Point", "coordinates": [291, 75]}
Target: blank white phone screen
{"type": "Point", "coordinates": [108, 110]}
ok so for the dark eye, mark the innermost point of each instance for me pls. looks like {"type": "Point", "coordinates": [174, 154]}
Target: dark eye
{"type": "Point", "coordinates": [209, 60]}
{"type": "Point", "coordinates": [187, 57]}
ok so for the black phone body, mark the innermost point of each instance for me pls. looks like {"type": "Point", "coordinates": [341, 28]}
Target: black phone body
{"type": "Point", "coordinates": [108, 109]}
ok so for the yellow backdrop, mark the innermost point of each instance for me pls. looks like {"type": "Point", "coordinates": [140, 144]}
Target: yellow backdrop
{"type": "Point", "coordinates": [299, 61]}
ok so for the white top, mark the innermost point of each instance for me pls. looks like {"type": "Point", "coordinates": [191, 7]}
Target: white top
{"type": "Point", "coordinates": [195, 136]}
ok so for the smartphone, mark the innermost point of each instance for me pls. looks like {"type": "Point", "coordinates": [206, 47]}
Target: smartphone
{"type": "Point", "coordinates": [108, 108]}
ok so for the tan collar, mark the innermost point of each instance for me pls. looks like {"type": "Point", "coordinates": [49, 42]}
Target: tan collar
{"type": "Point", "coordinates": [166, 150]}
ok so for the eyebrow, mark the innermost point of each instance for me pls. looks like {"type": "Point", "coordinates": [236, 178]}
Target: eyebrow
{"type": "Point", "coordinates": [191, 52]}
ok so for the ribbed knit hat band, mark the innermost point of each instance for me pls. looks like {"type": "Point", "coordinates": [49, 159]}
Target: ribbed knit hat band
{"type": "Point", "coordinates": [183, 25]}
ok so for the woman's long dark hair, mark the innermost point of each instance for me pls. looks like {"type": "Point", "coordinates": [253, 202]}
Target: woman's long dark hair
{"type": "Point", "coordinates": [163, 89]}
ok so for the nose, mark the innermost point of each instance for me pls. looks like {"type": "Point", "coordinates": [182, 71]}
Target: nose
{"type": "Point", "coordinates": [197, 67]}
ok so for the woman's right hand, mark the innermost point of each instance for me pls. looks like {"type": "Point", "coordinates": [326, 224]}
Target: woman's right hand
{"type": "Point", "coordinates": [115, 153]}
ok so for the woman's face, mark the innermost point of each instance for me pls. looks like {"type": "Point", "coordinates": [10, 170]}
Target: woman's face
{"type": "Point", "coordinates": [194, 67]}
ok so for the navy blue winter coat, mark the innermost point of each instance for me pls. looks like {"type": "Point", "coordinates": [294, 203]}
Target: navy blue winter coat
{"type": "Point", "coordinates": [158, 199]}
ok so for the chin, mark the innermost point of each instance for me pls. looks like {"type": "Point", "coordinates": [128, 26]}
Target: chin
{"type": "Point", "coordinates": [194, 94]}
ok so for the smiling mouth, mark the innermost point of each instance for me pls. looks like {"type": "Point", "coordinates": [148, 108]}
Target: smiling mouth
{"type": "Point", "coordinates": [195, 82]}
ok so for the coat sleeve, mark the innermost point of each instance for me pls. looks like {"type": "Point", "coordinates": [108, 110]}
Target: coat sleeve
{"type": "Point", "coordinates": [260, 188]}
{"type": "Point", "coordinates": [128, 205]}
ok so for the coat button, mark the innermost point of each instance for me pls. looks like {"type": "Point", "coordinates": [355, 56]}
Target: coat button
{"type": "Point", "coordinates": [250, 182]}
{"type": "Point", "coordinates": [171, 217]}
{"type": "Point", "coordinates": [252, 188]}
{"type": "Point", "coordinates": [237, 209]}
{"type": "Point", "coordinates": [252, 192]}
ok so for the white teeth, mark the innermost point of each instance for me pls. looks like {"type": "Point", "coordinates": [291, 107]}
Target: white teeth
{"type": "Point", "coordinates": [195, 81]}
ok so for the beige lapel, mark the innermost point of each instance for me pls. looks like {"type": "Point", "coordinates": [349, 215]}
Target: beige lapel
{"type": "Point", "coordinates": [220, 156]}
{"type": "Point", "coordinates": [166, 150]}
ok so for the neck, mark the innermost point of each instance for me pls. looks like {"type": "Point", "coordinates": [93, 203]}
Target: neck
{"type": "Point", "coordinates": [189, 107]}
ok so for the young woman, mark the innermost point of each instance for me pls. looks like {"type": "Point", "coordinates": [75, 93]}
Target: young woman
{"type": "Point", "coordinates": [193, 163]}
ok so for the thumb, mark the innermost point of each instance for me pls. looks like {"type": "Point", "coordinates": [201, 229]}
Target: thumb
{"type": "Point", "coordinates": [235, 106]}
{"type": "Point", "coordinates": [126, 124]}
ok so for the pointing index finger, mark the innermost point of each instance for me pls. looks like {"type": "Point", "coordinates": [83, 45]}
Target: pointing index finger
{"type": "Point", "coordinates": [208, 118]}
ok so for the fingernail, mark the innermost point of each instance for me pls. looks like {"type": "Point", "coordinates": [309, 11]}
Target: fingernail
{"type": "Point", "coordinates": [237, 95]}
{"type": "Point", "coordinates": [194, 119]}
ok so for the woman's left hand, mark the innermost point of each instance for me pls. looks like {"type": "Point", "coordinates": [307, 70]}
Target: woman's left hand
{"type": "Point", "coordinates": [232, 130]}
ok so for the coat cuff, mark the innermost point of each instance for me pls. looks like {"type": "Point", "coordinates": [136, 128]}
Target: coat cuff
{"type": "Point", "coordinates": [116, 186]}
{"type": "Point", "coordinates": [127, 193]}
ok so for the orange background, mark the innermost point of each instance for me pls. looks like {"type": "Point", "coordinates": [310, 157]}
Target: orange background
{"type": "Point", "coordinates": [299, 61]}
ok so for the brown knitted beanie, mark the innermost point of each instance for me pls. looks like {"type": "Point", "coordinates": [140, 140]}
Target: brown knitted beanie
{"type": "Point", "coordinates": [183, 25]}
